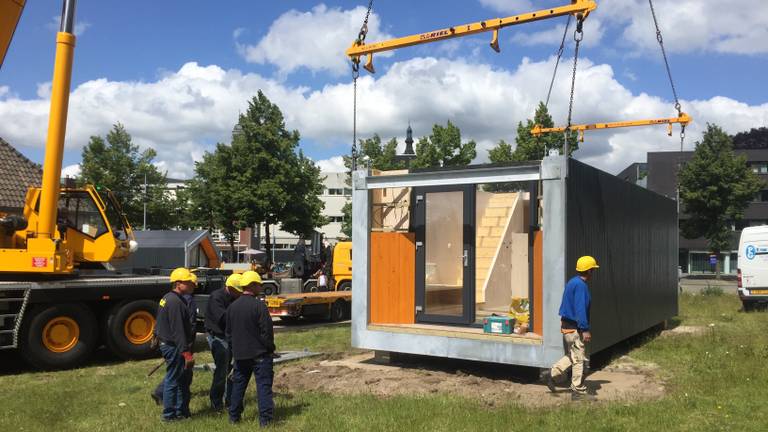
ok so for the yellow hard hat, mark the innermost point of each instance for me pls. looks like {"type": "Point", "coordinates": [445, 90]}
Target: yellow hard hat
{"type": "Point", "coordinates": [249, 277]}
{"type": "Point", "coordinates": [586, 263]}
{"type": "Point", "coordinates": [183, 275]}
{"type": "Point", "coordinates": [233, 281]}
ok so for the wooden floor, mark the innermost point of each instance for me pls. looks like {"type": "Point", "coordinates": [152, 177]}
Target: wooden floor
{"type": "Point", "coordinates": [456, 332]}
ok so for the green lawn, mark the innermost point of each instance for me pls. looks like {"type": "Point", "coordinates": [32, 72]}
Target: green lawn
{"type": "Point", "coordinates": [716, 381]}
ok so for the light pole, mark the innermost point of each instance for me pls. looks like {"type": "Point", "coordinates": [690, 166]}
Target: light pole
{"type": "Point", "coordinates": [144, 226]}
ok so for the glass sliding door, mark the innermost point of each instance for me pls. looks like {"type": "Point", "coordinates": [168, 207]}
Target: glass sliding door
{"type": "Point", "coordinates": [445, 233]}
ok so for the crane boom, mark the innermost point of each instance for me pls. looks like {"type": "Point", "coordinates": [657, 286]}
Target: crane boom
{"type": "Point", "coordinates": [360, 48]}
{"type": "Point", "coordinates": [10, 13]}
{"type": "Point", "coordinates": [683, 119]}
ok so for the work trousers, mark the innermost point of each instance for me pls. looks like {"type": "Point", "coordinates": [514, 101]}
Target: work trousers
{"type": "Point", "coordinates": [575, 353]}
{"type": "Point", "coordinates": [176, 393]}
{"type": "Point", "coordinates": [221, 386]}
{"type": "Point", "coordinates": [261, 368]}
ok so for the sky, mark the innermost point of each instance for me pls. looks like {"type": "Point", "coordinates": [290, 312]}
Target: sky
{"type": "Point", "coordinates": [177, 73]}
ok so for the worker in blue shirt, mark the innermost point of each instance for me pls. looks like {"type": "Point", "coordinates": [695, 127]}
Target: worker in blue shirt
{"type": "Point", "coordinates": [574, 325]}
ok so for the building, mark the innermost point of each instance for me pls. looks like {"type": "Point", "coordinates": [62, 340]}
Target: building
{"type": "Point", "coordinates": [661, 177]}
{"type": "Point", "coordinates": [472, 253]}
{"type": "Point", "coordinates": [17, 174]}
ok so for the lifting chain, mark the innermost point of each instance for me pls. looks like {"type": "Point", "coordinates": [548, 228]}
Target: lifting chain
{"type": "Point", "coordinates": [557, 61]}
{"type": "Point", "coordinates": [660, 39]}
{"type": "Point", "coordinates": [355, 75]}
{"type": "Point", "coordinates": [578, 35]}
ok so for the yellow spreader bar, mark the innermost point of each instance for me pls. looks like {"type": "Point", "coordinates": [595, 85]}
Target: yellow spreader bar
{"type": "Point", "coordinates": [684, 119]}
{"type": "Point", "coordinates": [583, 7]}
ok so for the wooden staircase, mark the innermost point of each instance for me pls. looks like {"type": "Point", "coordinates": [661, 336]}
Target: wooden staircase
{"type": "Point", "coordinates": [489, 235]}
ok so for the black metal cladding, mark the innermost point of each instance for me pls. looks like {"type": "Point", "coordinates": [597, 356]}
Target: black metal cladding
{"type": "Point", "coordinates": [632, 232]}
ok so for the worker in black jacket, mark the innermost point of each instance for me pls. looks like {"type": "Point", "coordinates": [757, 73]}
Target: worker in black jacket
{"type": "Point", "coordinates": [215, 325]}
{"type": "Point", "coordinates": [157, 393]}
{"type": "Point", "coordinates": [176, 334]}
{"type": "Point", "coordinates": [250, 334]}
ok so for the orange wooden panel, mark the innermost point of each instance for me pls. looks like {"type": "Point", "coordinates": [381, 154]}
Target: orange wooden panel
{"type": "Point", "coordinates": [538, 282]}
{"type": "Point", "coordinates": [210, 253]}
{"type": "Point", "coordinates": [393, 265]}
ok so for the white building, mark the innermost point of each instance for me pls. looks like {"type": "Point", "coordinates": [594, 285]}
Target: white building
{"type": "Point", "coordinates": [336, 192]}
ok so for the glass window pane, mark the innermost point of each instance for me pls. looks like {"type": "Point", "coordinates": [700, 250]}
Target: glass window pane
{"type": "Point", "coordinates": [444, 253]}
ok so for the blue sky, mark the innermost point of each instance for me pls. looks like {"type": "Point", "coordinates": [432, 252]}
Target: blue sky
{"type": "Point", "coordinates": [177, 72]}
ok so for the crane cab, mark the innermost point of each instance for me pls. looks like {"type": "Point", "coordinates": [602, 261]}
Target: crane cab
{"type": "Point", "coordinates": [91, 228]}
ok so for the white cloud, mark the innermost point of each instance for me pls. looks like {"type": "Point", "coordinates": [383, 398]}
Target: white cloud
{"type": "Point", "coordinates": [315, 40]}
{"type": "Point", "coordinates": [333, 164]}
{"type": "Point", "coordinates": [185, 112]}
{"type": "Point", "coordinates": [71, 171]}
{"type": "Point", "coordinates": [733, 27]}
{"type": "Point", "coordinates": [80, 26]}
{"type": "Point", "coordinates": [509, 6]}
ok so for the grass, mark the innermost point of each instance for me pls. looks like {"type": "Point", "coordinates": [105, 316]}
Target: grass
{"type": "Point", "coordinates": [716, 381]}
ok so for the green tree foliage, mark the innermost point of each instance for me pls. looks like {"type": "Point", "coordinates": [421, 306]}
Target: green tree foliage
{"type": "Point", "coordinates": [444, 148]}
{"type": "Point", "coordinates": [380, 157]}
{"type": "Point", "coordinates": [530, 147]}
{"type": "Point", "coordinates": [117, 163]}
{"type": "Point", "coordinates": [501, 153]}
{"type": "Point", "coordinates": [215, 195]}
{"type": "Point", "coordinates": [756, 138]}
{"type": "Point", "coordinates": [283, 185]}
{"type": "Point", "coordinates": [716, 186]}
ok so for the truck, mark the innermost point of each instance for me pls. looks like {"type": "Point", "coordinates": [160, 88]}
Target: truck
{"type": "Point", "coordinates": [752, 272]}
{"type": "Point", "coordinates": [59, 296]}
{"type": "Point", "coordinates": [334, 304]}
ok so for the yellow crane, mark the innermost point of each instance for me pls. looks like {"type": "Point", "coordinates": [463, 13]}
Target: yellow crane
{"type": "Point", "coordinates": [360, 48]}
{"type": "Point", "coordinates": [579, 9]}
{"type": "Point", "coordinates": [61, 228]}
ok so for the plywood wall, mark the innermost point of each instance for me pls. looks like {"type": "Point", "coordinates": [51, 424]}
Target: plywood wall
{"type": "Point", "coordinates": [393, 291]}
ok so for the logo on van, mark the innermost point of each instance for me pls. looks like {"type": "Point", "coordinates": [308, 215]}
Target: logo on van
{"type": "Point", "coordinates": [751, 252]}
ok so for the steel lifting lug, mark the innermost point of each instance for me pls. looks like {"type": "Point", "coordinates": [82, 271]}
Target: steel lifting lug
{"type": "Point", "coordinates": [581, 135]}
{"type": "Point", "coordinates": [369, 64]}
{"type": "Point", "coordinates": [495, 41]}
{"type": "Point", "coordinates": [669, 129]}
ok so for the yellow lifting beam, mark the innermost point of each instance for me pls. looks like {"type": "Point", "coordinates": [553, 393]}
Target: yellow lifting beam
{"type": "Point", "coordinates": [360, 48]}
{"type": "Point", "coordinates": [683, 119]}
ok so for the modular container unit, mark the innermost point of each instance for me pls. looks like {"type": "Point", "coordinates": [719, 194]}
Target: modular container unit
{"type": "Point", "coordinates": [436, 252]}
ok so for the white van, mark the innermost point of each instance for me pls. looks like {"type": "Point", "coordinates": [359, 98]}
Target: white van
{"type": "Point", "coordinates": [753, 266]}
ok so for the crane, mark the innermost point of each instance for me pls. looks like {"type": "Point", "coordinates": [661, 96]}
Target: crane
{"type": "Point", "coordinates": [360, 48]}
{"type": "Point", "coordinates": [683, 119]}
{"type": "Point", "coordinates": [61, 229]}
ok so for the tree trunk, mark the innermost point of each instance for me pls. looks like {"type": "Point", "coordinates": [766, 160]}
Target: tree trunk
{"type": "Point", "coordinates": [268, 246]}
{"type": "Point", "coordinates": [233, 256]}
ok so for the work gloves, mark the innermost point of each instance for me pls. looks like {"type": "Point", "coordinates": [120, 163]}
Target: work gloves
{"type": "Point", "coordinates": [189, 360]}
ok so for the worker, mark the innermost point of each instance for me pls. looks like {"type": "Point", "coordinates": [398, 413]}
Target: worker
{"type": "Point", "coordinates": [157, 394]}
{"type": "Point", "coordinates": [250, 334]}
{"type": "Point", "coordinates": [574, 325]}
{"type": "Point", "coordinates": [176, 335]}
{"type": "Point", "coordinates": [215, 325]}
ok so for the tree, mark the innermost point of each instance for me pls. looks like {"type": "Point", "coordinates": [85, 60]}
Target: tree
{"type": "Point", "coordinates": [380, 158]}
{"type": "Point", "coordinates": [756, 138]}
{"type": "Point", "coordinates": [282, 184]}
{"type": "Point", "coordinates": [530, 147]}
{"type": "Point", "coordinates": [501, 153]}
{"type": "Point", "coordinates": [118, 164]}
{"type": "Point", "coordinates": [443, 148]}
{"type": "Point", "coordinates": [716, 187]}
{"type": "Point", "coordinates": [215, 194]}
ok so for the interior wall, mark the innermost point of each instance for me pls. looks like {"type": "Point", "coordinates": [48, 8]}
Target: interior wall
{"type": "Point", "coordinates": [444, 239]}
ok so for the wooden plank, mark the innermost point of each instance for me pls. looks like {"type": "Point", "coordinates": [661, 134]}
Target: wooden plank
{"type": "Point", "coordinates": [456, 332]}
{"type": "Point", "coordinates": [538, 282]}
{"type": "Point", "coordinates": [393, 292]}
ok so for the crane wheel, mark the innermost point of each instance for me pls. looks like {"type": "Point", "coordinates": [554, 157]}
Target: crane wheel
{"type": "Point", "coordinates": [58, 336]}
{"type": "Point", "coordinates": [338, 311]}
{"type": "Point", "coordinates": [269, 289]}
{"type": "Point", "coordinates": [345, 286]}
{"type": "Point", "coordinates": [128, 329]}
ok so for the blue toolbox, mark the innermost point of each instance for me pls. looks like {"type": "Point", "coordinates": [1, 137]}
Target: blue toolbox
{"type": "Point", "coordinates": [498, 324]}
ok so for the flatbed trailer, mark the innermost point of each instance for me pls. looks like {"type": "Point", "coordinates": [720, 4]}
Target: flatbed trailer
{"type": "Point", "coordinates": [334, 305]}
{"type": "Point", "coordinates": [57, 323]}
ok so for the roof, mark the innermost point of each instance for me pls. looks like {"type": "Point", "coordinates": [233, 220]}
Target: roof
{"type": "Point", "coordinates": [17, 174]}
{"type": "Point", "coordinates": [169, 238]}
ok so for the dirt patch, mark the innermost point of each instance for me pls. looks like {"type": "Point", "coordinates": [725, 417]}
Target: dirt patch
{"type": "Point", "coordinates": [361, 374]}
{"type": "Point", "coordinates": [685, 330]}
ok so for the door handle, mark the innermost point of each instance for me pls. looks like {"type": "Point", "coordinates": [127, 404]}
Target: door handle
{"type": "Point", "coordinates": [465, 257]}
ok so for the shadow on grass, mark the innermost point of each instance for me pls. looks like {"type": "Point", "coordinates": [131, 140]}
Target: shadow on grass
{"type": "Point", "coordinates": [603, 358]}
{"type": "Point", "coordinates": [519, 374]}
